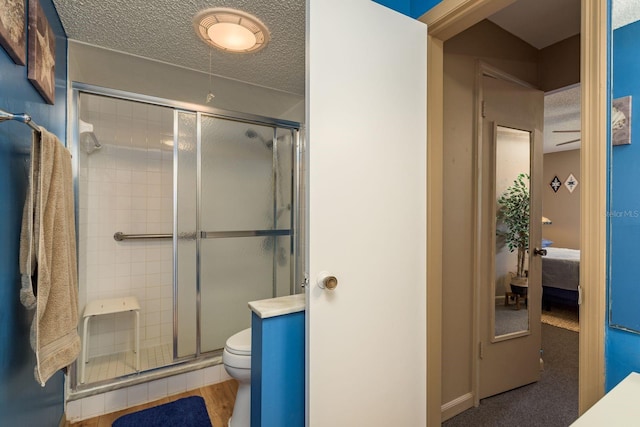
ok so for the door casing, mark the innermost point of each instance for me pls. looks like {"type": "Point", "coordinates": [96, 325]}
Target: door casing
{"type": "Point", "coordinates": [447, 19]}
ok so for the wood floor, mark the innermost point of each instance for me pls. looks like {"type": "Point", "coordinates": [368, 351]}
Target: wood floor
{"type": "Point", "coordinates": [218, 397]}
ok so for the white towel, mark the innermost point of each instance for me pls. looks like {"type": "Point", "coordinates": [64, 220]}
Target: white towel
{"type": "Point", "coordinates": [48, 249]}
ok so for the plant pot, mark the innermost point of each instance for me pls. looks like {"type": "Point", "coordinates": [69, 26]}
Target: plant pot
{"type": "Point", "coordinates": [520, 285]}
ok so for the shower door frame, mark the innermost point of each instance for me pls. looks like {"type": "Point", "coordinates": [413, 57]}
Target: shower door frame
{"type": "Point", "coordinates": [297, 227]}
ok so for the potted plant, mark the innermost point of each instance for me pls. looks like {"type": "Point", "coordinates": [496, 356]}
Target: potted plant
{"type": "Point", "coordinates": [513, 224]}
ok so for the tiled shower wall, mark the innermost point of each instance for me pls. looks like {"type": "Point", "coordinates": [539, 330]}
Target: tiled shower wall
{"type": "Point", "coordinates": [126, 186]}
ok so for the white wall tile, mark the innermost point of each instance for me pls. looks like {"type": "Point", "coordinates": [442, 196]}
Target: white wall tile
{"type": "Point", "coordinates": [74, 410]}
{"type": "Point", "coordinates": [153, 304]}
{"type": "Point", "coordinates": [138, 215]}
{"type": "Point", "coordinates": [224, 375]}
{"type": "Point", "coordinates": [158, 389]}
{"type": "Point", "coordinates": [139, 176]}
{"type": "Point", "coordinates": [195, 379]}
{"type": "Point", "coordinates": [154, 203]}
{"type": "Point", "coordinates": [92, 406]}
{"type": "Point", "coordinates": [123, 177]}
{"type": "Point", "coordinates": [152, 331]}
{"type": "Point", "coordinates": [123, 270]}
{"type": "Point", "coordinates": [139, 203]}
{"type": "Point", "coordinates": [137, 394]}
{"type": "Point", "coordinates": [212, 375]}
{"type": "Point", "coordinates": [115, 400]}
{"type": "Point", "coordinates": [154, 254]}
{"type": "Point", "coordinates": [153, 281]}
{"type": "Point", "coordinates": [152, 319]}
{"type": "Point", "coordinates": [176, 384]}
{"type": "Point", "coordinates": [125, 321]}
{"type": "Point", "coordinates": [138, 268]}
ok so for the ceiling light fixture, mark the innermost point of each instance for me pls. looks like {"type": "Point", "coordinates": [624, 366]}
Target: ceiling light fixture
{"type": "Point", "coordinates": [231, 30]}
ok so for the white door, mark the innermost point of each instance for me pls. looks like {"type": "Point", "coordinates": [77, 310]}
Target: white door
{"type": "Point", "coordinates": [511, 144]}
{"type": "Point", "coordinates": [366, 123]}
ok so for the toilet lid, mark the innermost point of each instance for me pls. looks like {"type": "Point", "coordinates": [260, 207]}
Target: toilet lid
{"type": "Point", "coordinates": [240, 343]}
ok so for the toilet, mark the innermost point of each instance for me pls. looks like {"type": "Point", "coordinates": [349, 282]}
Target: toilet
{"type": "Point", "coordinates": [236, 358]}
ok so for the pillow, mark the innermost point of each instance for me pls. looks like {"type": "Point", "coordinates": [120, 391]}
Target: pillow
{"type": "Point", "coordinates": [546, 243]}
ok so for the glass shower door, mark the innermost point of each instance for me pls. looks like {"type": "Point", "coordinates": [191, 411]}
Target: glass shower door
{"type": "Point", "coordinates": [245, 224]}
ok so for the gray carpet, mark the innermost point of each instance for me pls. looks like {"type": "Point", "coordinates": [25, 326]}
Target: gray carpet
{"type": "Point", "coordinates": [551, 402]}
{"type": "Point", "coordinates": [509, 320]}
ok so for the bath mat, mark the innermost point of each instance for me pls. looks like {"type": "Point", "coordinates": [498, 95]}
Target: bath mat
{"type": "Point", "coordinates": [186, 412]}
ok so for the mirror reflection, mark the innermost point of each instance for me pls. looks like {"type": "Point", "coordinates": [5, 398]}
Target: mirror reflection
{"type": "Point", "coordinates": [512, 169]}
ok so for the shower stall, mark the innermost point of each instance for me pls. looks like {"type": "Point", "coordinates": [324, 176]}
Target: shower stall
{"type": "Point", "coordinates": [194, 213]}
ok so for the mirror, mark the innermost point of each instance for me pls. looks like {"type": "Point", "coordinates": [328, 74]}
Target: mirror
{"type": "Point", "coordinates": [512, 168]}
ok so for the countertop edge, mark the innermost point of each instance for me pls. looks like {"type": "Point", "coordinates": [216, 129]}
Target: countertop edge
{"type": "Point", "coordinates": [280, 306]}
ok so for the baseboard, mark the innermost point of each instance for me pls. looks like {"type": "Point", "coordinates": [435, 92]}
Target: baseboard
{"type": "Point", "coordinates": [63, 421]}
{"type": "Point", "coordinates": [456, 406]}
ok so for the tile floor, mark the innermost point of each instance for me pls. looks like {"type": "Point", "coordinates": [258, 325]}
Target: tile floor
{"type": "Point", "coordinates": [119, 364]}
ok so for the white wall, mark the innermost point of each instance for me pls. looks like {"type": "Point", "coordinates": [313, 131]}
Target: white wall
{"type": "Point", "coordinates": [118, 70]}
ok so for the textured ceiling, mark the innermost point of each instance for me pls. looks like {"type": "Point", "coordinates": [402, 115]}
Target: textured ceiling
{"type": "Point", "coordinates": [624, 12]}
{"type": "Point", "coordinates": [561, 112]}
{"type": "Point", "coordinates": [540, 23]}
{"type": "Point", "coordinates": [163, 30]}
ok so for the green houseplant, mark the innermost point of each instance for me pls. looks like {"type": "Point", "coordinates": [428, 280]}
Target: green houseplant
{"type": "Point", "coordinates": [513, 220]}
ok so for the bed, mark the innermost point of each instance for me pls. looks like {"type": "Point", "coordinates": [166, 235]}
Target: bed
{"type": "Point", "coordinates": [560, 277]}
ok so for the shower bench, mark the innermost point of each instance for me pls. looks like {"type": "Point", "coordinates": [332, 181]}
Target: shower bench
{"type": "Point", "coordinates": [109, 306]}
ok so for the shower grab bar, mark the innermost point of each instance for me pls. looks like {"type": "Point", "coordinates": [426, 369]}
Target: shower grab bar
{"type": "Point", "coordinates": [250, 233]}
{"type": "Point", "coordinates": [24, 118]}
{"type": "Point", "coordinates": [119, 236]}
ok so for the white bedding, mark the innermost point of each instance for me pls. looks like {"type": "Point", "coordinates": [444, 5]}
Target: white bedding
{"type": "Point", "coordinates": [561, 268]}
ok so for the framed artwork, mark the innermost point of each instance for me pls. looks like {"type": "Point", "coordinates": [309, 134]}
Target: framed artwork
{"type": "Point", "coordinates": [12, 29]}
{"type": "Point", "coordinates": [555, 184]}
{"type": "Point", "coordinates": [621, 121]}
{"type": "Point", "coordinates": [42, 53]}
{"type": "Point", "coordinates": [571, 183]}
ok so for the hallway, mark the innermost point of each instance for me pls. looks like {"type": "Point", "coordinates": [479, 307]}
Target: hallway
{"type": "Point", "coordinates": [551, 402]}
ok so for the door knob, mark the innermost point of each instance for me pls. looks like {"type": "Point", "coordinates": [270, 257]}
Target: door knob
{"type": "Point", "coordinates": [327, 281]}
{"type": "Point", "coordinates": [541, 252]}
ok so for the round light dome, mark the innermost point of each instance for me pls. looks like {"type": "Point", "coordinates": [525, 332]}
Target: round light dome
{"type": "Point", "coordinates": [232, 36]}
{"type": "Point", "coordinates": [231, 30]}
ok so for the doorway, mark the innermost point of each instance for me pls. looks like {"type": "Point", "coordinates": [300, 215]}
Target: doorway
{"type": "Point", "coordinates": [445, 22]}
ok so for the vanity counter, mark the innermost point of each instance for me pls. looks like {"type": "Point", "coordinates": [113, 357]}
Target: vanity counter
{"type": "Point", "coordinates": [272, 307]}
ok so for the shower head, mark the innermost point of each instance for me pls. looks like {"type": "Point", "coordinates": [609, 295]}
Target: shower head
{"type": "Point", "coordinates": [252, 134]}
{"type": "Point", "coordinates": [88, 138]}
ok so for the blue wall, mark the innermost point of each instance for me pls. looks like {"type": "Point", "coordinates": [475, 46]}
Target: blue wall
{"type": "Point", "coordinates": [412, 8]}
{"type": "Point", "coordinates": [22, 401]}
{"type": "Point", "coordinates": [623, 348]}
